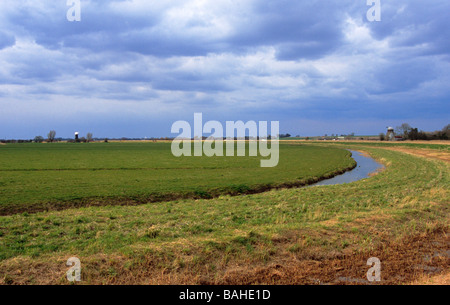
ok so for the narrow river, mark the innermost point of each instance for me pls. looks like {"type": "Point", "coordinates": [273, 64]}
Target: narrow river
{"type": "Point", "coordinates": [365, 166]}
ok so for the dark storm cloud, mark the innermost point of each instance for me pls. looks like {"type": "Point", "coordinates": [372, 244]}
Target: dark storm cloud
{"type": "Point", "coordinates": [297, 29]}
{"type": "Point", "coordinates": [232, 59]}
{"type": "Point", "coordinates": [307, 29]}
{"type": "Point", "coordinates": [105, 27]}
{"type": "Point", "coordinates": [415, 23]}
{"type": "Point", "coordinates": [404, 76]}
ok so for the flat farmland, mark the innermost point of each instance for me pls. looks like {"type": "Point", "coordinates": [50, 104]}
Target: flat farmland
{"type": "Point", "coordinates": [35, 177]}
{"type": "Point", "coordinates": [312, 235]}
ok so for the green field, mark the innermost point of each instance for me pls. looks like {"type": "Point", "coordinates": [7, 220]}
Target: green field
{"type": "Point", "coordinates": [42, 175]}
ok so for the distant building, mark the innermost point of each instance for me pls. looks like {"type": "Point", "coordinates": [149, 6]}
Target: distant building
{"type": "Point", "coordinates": [390, 135]}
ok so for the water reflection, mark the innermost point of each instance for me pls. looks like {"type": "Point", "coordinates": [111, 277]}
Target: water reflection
{"type": "Point", "coordinates": [365, 166]}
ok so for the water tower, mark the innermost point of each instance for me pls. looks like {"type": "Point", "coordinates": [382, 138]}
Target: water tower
{"type": "Point", "coordinates": [390, 135]}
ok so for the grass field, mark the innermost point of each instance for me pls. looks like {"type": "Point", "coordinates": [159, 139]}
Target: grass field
{"type": "Point", "coordinates": [437, 145]}
{"type": "Point", "coordinates": [284, 236]}
{"type": "Point", "coordinates": [39, 175]}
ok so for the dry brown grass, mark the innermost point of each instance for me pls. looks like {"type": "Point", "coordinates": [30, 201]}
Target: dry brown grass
{"type": "Point", "coordinates": [412, 260]}
{"type": "Point", "coordinates": [442, 279]}
{"type": "Point", "coordinates": [422, 152]}
{"type": "Point", "coordinates": [442, 142]}
{"type": "Point", "coordinates": [419, 259]}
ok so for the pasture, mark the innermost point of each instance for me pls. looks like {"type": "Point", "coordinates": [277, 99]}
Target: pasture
{"type": "Point", "coordinates": [36, 176]}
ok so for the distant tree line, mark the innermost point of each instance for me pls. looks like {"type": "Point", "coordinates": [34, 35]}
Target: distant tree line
{"type": "Point", "coordinates": [38, 139]}
{"type": "Point", "coordinates": [405, 131]}
{"type": "Point", "coordinates": [284, 135]}
{"type": "Point", "coordinates": [89, 138]}
{"type": "Point", "coordinates": [411, 133]}
{"type": "Point", "coordinates": [15, 141]}
{"type": "Point", "coordinates": [51, 137]}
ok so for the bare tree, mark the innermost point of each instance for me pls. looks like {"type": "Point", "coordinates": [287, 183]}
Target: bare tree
{"type": "Point", "coordinates": [51, 136]}
{"type": "Point", "coordinates": [89, 137]}
{"type": "Point", "coordinates": [446, 130]}
{"type": "Point", "coordinates": [403, 130]}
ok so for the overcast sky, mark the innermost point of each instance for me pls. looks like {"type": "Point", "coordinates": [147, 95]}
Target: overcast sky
{"type": "Point", "coordinates": [131, 68]}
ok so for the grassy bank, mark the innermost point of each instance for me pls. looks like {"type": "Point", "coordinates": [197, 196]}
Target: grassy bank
{"type": "Point", "coordinates": [272, 237]}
